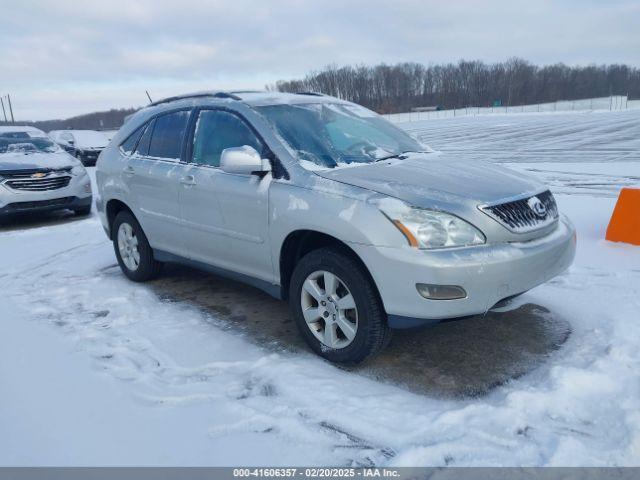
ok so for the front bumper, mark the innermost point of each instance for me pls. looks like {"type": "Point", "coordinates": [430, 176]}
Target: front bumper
{"type": "Point", "coordinates": [70, 203]}
{"type": "Point", "coordinates": [488, 274]}
{"type": "Point", "coordinates": [76, 195]}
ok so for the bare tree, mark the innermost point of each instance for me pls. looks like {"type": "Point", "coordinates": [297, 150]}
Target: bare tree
{"type": "Point", "coordinates": [394, 88]}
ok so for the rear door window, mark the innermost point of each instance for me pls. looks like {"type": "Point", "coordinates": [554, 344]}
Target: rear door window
{"type": "Point", "coordinates": [168, 135]}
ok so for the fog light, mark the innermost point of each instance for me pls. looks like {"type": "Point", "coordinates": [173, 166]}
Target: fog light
{"type": "Point", "coordinates": [440, 292]}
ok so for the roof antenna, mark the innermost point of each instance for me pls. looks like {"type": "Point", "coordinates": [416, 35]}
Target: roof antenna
{"type": "Point", "coordinates": [148, 96]}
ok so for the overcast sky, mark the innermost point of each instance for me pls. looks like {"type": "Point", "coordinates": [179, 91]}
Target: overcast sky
{"type": "Point", "coordinates": [60, 58]}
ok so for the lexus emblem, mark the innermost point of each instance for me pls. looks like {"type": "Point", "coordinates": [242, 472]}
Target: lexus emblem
{"type": "Point", "coordinates": [537, 206]}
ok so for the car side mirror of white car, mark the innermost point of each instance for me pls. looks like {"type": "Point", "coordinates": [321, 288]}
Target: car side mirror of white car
{"type": "Point", "coordinates": [243, 161]}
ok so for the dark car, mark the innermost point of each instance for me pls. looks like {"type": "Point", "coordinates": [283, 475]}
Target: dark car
{"type": "Point", "coordinates": [85, 145]}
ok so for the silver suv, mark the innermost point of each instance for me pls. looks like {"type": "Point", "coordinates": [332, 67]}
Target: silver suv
{"type": "Point", "coordinates": [324, 203]}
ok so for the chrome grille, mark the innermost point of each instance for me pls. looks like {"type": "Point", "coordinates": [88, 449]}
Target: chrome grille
{"type": "Point", "coordinates": [32, 184]}
{"type": "Point", "coordinates": [28, 173]}
{"type": "Point", "coordinates": [525, 214]}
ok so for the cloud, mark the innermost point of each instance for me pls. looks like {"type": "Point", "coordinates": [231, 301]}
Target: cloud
{"type": "Point", "coordinates": [108, 53]}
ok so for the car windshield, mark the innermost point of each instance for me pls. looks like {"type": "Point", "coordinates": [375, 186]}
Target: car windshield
{"type": "Point", "coordinates": [329, 135]}
{"type": "Point", "coordinates": [18, 144]}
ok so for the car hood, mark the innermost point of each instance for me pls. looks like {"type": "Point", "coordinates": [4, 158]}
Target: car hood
{"type": "Point", "coordinates": [89, 146]}
{"type": "Point", "coordinates": [425, 179]}
{"type": "Point", "coordinates": [36, 161]}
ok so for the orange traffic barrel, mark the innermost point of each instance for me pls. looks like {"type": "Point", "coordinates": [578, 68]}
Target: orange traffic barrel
{"type": "Point", "coordinates": [624, 225]}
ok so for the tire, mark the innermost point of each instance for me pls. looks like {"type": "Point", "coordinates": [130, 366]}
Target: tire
{"type": "Point", "coordinates": [83, 211]}
{"type": "Point", "coordinates": [147, 267]}
{"type": "Point", "coordinates": [372, 333]}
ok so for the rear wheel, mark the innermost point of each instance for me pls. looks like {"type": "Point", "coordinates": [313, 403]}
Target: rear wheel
{"type": "Point", "coordinates": [337, 308]}
{"type": "Point", "coordinates": [133, 252]}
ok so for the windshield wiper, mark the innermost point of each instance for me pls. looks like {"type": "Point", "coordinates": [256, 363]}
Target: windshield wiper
{"type": "Point", "coordinates": [400, 155]}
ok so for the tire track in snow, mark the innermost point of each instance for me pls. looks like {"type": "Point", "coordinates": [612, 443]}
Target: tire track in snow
{"type": "Point", "coordinates": [94, 310]}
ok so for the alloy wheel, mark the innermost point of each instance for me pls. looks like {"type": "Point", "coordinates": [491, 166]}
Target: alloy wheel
{"type": "Point", "coordinates": [128, 246]}
{"type": "Point", "coordinates": [329, 309]}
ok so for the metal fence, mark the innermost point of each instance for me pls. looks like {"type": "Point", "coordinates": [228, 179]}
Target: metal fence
{"type": "Point", "coordinates": [614, 102]}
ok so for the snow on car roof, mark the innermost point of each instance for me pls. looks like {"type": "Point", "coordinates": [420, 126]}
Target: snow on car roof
{"type": "Point", "coordinates": [31, 131]}
{"type": "Point", "coordinates": [256, 99]}
{"type": "Point", "coordinates": [252, 98]}
{"type": "Point", "coordinates": [89, 138]}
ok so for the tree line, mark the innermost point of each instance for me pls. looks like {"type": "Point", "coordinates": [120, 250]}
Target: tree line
{"type": "Point", "coordinates": [398, 88]}
{"type": "Point", "coordinates": [108, 120]}
{"type": "Point", "coordinates": [403, 86]}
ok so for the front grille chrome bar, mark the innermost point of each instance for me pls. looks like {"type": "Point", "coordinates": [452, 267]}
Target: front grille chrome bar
{"type": "Point", "coordinates": [525, 214]}
{"type": "Point", "coordinates": [38, 184]}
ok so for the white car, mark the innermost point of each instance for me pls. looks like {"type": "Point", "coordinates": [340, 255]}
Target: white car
{"type": "Point", "coordinates": [109, 133]}
{"type": "Point", "coordinates": [36, 174]}
{"type": "Point", "coordinates": [85, 145]}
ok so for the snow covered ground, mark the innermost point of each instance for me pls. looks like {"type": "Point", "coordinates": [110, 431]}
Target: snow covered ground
{"type": "Point", "coordinates": [96, 370]}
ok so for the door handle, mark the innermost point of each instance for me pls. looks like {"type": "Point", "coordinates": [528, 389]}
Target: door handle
{"type": "Point", "coordinates": [188, 181]}
{"type": "Point", "coordinates": [128, 170]}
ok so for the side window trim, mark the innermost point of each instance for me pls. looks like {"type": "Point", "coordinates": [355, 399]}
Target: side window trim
{"type": "Point", "coordinates": [190, 136]}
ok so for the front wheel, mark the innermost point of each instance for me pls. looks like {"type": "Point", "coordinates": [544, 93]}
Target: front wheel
{"type": "Point", "coordinates": [337, 308]}
{"type": "Point", "coordinates": [133, 252]}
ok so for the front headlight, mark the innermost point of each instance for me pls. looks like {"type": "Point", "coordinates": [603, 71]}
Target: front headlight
{"type": "Point", "coordinates": [431, 229]}
{"type": "Point", "coordinates": [78, 171]}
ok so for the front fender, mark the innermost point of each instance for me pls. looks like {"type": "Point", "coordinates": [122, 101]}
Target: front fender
{"type": "Point", "coordinates": [343, 214]}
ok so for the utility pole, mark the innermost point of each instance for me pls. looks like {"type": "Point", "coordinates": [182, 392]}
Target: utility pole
{"type": "Point", "coordinates": [4, 112]}
{"type": "Point", "coordinates": [10, 109]}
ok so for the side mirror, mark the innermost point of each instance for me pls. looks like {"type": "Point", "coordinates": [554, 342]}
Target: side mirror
{"type": "Point", "coordinates": [243, 161]}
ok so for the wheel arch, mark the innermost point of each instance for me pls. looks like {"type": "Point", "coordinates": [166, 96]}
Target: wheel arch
{"type": "Point", "coordinates": [112, 208]}
{"type": "Point", "coordinates": [301, 242]}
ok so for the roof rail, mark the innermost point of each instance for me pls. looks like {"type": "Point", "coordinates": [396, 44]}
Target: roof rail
{"type": "Point", "coordinates": [226, 95]}
{"type": "Point", "coordinates": [313, 94]}
{"type": "Point", "coordinates": [245, 91]}
{"type": "Point", "coordinates": [196, 95]}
